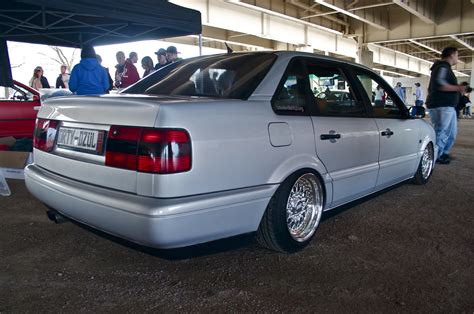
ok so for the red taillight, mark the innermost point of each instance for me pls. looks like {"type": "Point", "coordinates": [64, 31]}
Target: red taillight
{"type": "Point", "coordinates": [162, 151]}
{"type": "Point", "coordinates": [45, 134]}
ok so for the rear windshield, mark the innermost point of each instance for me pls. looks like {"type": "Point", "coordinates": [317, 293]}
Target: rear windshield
{"type": "Point", "coordinates": [222, 76]}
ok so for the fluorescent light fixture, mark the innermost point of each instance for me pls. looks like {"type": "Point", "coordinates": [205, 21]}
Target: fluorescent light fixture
{"type": "Point", "coordinates": [348, 13]}
{"type": "Point", "coordinates": [283, 16]}
{"type": "Point", "coordinates": [392, 72]}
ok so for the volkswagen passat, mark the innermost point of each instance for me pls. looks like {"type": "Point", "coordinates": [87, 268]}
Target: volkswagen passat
{"type": "Point", "coordinates": [216, 146]}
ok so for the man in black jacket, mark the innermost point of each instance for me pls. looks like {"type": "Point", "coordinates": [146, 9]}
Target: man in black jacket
{"type": "Point", "coordinates": [443, 97]}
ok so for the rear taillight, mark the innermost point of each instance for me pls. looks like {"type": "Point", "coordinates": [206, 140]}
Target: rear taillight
{"type": "Point", "coordinates": [45, 134]}
{"type": "Point", "coordinates": [162, 151]}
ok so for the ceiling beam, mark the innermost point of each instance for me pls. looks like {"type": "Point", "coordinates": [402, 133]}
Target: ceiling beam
{"type": "Point", "coordinates": [415, 8]}
{"type": "Point", "coordinates": [371, 6]}
{"type": "Point", "coordinates": [462, 42]}
{"type": "Point", "coordinates": [351, 14]}
{"type": "Point", "coordinates": [424, 46]}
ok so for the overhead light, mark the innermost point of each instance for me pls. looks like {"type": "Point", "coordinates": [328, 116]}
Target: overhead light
{"type": "Point", "coordinates": [349, 13]}
{"type": "Point", "coordinates": [393, 72]}
{"type": "Point", "coordinates": [283, 16]}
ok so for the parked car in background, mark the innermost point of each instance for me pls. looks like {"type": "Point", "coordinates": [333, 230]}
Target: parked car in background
{"type": "Point", "coordinates": [17, 113]}
{"type": "Point", "coordinates": [216, 146]}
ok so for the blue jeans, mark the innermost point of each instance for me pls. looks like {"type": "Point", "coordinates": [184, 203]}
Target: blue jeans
{"type": "Point", "coordinates": [445, 124]}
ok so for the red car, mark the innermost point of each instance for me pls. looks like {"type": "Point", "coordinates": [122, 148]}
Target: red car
{"type": "Point", "coordinates": [17, 113]}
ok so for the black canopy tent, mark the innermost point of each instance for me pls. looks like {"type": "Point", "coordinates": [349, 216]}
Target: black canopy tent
{"type": "Point", "coordinates": [73, 23]}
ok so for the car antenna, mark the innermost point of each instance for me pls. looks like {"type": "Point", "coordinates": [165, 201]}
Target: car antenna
{"type": "Point", "coordinates": [229, 50]}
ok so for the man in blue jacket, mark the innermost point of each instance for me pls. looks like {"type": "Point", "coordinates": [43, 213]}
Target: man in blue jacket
{"type": "Point", "coordinates": [88, 77]}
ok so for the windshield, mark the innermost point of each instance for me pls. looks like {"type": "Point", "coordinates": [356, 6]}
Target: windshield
{"type": "Point", "coordinates": [223, 76]}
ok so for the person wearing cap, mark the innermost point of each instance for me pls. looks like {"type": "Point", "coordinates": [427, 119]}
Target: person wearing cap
{"type": "Point", "coordinates": [161, 56]}
{"type": "Point", "coordinates": [88, 77]}
{"type": "Point", "coordinates": [130, 75]}
{"type": "Point", "coordinates": [172, 54]}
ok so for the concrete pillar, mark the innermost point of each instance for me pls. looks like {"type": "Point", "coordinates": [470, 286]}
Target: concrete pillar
{"type": "Point", "coordinates": [365, 56]}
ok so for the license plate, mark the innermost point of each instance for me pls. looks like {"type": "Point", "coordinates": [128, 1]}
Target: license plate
{"type": "Point", "coordinates": [90, 141]}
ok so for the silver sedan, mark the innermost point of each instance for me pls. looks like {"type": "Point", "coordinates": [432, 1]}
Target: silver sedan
{"type": "Point", "coordinates": [215, 146]}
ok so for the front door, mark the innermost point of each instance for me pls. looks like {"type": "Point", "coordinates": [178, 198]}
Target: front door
{"type": "Point", "coordinates": [17, 114]}
{"type": "Point", "coordinates": [399, 136]}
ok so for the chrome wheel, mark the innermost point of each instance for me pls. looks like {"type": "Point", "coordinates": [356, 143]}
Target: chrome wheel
{"type": "Point", "coordinates": [427, 162]}
{"type": "Point", "coordinates": [304, 207]}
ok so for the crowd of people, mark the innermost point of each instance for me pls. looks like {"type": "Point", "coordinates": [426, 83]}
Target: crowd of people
{"type": "Point", "coordinates": [89, 77]}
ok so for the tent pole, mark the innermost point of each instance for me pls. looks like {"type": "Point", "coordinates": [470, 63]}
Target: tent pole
{"type": "Point", "coordinates": [200, 44]}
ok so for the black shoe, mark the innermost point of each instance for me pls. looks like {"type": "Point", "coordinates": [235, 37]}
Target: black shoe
{"type": "Point", "coordinates": [444, 159]}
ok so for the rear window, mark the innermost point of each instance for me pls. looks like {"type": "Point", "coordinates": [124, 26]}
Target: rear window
{"type": "Point", "coordinates": [223, 76]}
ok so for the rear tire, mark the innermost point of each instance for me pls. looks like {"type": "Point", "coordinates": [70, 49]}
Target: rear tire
{"type": "Point", "coordinates": [293, 214]}
{"type": "Point", "coordinates": [425, 168]}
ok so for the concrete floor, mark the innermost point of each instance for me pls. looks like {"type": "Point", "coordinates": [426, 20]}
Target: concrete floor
{"type": "Point", "coordinates": [410, 248]}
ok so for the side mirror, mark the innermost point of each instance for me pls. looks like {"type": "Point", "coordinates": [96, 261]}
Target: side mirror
{"type": "Point", "coordinates": [417, 112]}
{"type": "Point", "coordinates": [36, 98]}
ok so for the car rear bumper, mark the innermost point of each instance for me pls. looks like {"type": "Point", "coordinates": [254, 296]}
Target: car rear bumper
{"type": "Point", "coordinates": [161, 223]}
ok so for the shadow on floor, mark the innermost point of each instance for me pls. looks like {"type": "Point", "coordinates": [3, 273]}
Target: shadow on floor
{"type": "Point", "coordinates": [220, 246]}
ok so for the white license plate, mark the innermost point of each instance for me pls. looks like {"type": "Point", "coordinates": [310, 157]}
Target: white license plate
{"type": "Point", "coordinates": [81, 139]}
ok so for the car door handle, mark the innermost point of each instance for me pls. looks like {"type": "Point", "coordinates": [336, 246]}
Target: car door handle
{"type": "Point", "coordinates": [331, 136]}
{"type": "Point", "coordinates": [387, 132]}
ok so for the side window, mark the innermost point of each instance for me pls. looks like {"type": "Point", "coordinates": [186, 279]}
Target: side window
{"type": "Point", "coordinates": [381, 96]}
{"type": "Point", "coordinates": [291, 96]}
{"type": "Point", "coordinates": [14, 94]}
{"type": "Point", "coordinates": [333, 95]}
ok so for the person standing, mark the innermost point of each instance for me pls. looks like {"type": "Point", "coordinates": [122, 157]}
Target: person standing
{"type": "Point", "coordinates": [400, 92]}
{"type": "Point", "coordinates": [172, 54]}
{"type": "Point", "coordinates": [465, 103]}
{"type": "Point", "coordinates": [43, 79]}
{"type": "Point", "coordinates": [111, 82]}
{"type": "Point", "coordinates": [147, 65]}
{"type": "Point", "coordinates": [419, 99]}
{"type": "Point", "coordinates": [161, 56]}
{"type": "Point", "coordinates": [119, 68]}
{"type": "Point", "coordinates": [88, 77]}
{"type": "Point", "coordinates": [63, 79]}
{"type": "Point", "coordinates": [379, 97]}
{"type": "Point", "coordinates": [130, 74]}
{"type": "Point", "coordinates": [443, 97]}
{"type": "Point", "coordinates": [35, 80]}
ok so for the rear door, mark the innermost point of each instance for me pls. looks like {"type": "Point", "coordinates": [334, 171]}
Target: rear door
{"type": "Point", "coordinates": [17, 114]}
{"type": "Point", "coordinates": [398, 133]}
{"type": "Point", "coordinates": [346, 137]}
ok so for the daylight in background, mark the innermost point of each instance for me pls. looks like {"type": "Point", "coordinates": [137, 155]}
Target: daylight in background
{"type": "Point", "coordinates": [25, 57]}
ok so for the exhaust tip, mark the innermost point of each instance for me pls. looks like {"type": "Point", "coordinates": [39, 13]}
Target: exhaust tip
{"type": "Point", "coordinates": [55, 216]}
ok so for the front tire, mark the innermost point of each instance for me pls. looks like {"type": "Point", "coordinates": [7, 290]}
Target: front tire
{"type": "Point", "coordinates": [425, 168]}
{"type": "Point", "coordinates": [293, 214]}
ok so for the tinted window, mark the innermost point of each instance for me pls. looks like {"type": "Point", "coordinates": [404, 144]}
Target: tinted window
{"type": "Point", "coordinates": [381, 96]}
{"type": "Point", "coordinates": [332, 92]}
{"type": "Point", "coordinates": [223, 76]}
{"type": "Point", "coordinates": [291, 95]}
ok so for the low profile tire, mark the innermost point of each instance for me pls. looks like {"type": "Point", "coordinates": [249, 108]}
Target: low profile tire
{"type": "Point", "coordinates": [425, 168]}
{"type": "Point", "coordinates": [293, 214]}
